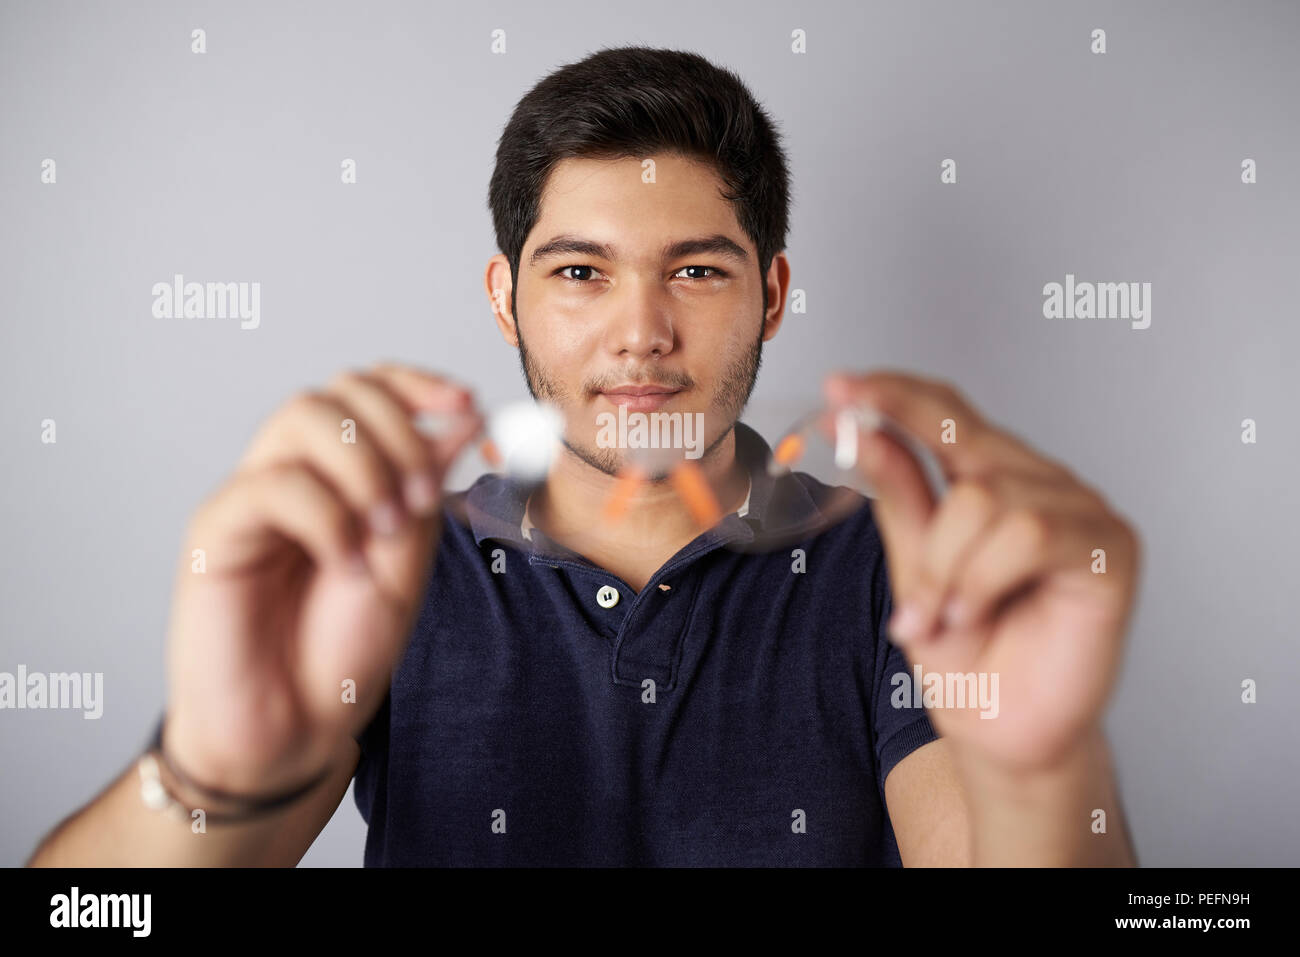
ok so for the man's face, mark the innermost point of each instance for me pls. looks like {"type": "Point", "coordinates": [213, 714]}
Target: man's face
{"type": "Point", "coordinates": [628, 283]}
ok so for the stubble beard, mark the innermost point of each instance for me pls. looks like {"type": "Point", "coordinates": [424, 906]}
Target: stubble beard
{"type": "Point", "coordinates": [734, 390]}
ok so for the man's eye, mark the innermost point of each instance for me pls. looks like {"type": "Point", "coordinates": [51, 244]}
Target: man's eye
{"type": "Point", "coordinates": [560, 272]}
{"type": "Point", "coordinates": [713, 269]}
{"type": "Point", "coordinates": [583, 274]}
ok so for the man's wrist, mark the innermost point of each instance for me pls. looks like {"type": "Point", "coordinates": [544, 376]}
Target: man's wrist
{"type": "Point", "coordinates": [169, 784]}
{"type": "Point", "coordinates": [1066, 814]}
{"type": "Point", "coordinates": [990, 783]}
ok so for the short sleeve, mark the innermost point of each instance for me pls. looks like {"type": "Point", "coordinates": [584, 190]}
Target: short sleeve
{"type": "Point", "coordinates": [899, 726]}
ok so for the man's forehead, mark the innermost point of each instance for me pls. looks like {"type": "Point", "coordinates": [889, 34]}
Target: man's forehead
{"type": "Point", "coordinates": [698, 221]}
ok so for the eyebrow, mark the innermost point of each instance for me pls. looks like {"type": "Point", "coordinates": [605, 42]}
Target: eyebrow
{"type": "Point", "coordinates": [569, 245]}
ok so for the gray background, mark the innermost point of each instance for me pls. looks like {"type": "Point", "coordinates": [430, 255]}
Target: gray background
{"type": "Point", "coordinates": [225, 166]}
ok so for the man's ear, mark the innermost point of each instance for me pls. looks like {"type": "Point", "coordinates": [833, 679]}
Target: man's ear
{"type": "Point", "coordinates": [778, 287]}
{"type": "Point", "coordinates": [500, 290]}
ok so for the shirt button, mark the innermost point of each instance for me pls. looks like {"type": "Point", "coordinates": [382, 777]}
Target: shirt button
{"type": "Point", "coordinates": [607, 597]}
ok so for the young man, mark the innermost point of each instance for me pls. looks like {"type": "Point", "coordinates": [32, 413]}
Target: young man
{"type": "Point", "coordinates": [557, 690]}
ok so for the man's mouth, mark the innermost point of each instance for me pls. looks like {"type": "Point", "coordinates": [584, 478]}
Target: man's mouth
{"type": "Point", "coordinates": [640, 398]}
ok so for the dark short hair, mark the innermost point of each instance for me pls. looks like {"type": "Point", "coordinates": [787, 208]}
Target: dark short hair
{"type": "Point", "coordinates": [637, 101]}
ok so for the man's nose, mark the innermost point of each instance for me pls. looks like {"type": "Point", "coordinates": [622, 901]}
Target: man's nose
{"type": "Point", "coordinates": [640, 322]}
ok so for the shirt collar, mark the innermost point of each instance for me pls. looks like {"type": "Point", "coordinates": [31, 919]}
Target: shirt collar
{"type": "Point", "coordinates": [496, 505]}
{"type": "Point", "coordinates": [526, 525]}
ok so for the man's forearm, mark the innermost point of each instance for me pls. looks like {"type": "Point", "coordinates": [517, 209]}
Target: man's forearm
{"type": "Point", "coordinates": [1049, 818]}
{"type": "Point", "coordinates": [117, 829]}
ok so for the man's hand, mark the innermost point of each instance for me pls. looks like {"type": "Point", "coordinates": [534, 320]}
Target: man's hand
{"type": "Point", "coordinates": [314, 557]}
{"type": "Point", "coordinates": [1002, 576]}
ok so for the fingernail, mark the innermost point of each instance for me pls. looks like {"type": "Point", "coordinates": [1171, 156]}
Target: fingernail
{"type": "Point", "coordinates": [904, 624]}
{"type": "Point", "coordinates": [420, 493]}
{"type": "Point", "coordinates": [385, 519]}
{"type": "Point", "coordinates": [955, 613]}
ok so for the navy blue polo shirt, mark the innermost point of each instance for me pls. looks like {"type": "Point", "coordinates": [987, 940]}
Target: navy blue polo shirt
{"type": "Point", "coordinates": [545, 714]}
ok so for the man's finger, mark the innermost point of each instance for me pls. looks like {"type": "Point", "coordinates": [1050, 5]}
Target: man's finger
{"type": "Point", "coordinates": [289, 500]}
{"type": "Point", "coordinates": [1026, 544]}
{"type": "Point", "coordinates": [424, 391]}
{"type": "Point", "coordinates": [960, 521]}
{"type": "Point", "coordinates": [311, 427]}
{"type": "Point", "coordinates": [966, 516]}
{"type": "Point", "coordinates": [428, 392]}
{"type": "Point", "coordinates": [381, 414]}
{"type": "Point", "coordinates": [942, 420]}
{"type": "Point", "coordinates": [902, 508]}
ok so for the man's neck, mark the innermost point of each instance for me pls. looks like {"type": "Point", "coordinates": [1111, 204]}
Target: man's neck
{"type": "Point", "coordinates": [655, 525]}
